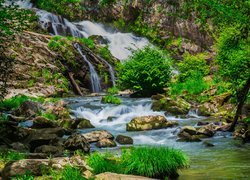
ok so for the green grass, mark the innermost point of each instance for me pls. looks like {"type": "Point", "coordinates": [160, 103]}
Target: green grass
{"type": "Point", "coordinates": [155, 162]}
{"type": "Point", "coordinates": [26, 176]}
{"type": "Point", "coordinates": [13, 103]}
{"type": "Point", "coordinates": [103, 163]}
{"type": "Point", "coordinates": [48, 115]}
{"type": "Point", "coordinates": [68, 173]}
{"type": "Point", "coordinates": [7, 156]}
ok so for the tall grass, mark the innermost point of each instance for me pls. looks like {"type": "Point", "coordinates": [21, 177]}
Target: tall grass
{"type": "Point", "coordinates": [7, 156]}
{"type": "Point", "coordinates": [155, 162]}
{"type": "Point", "coordinates": [103, 163]}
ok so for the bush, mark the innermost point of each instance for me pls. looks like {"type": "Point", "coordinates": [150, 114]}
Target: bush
{"type": "Point", "coordinates": [155, 162]}
{"type": "Point", "coordinates": [192, 65]}
{"type": "Point", "coordinates": [147, 70]}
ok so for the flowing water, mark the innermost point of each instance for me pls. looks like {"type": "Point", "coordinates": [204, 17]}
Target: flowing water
{"type": "Point", "coordinates": [228, 159]}
{"type": "Point", "coordinates": [95, 80]}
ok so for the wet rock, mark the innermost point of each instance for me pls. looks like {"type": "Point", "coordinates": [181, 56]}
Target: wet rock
{"type": "Point", "coordinates": [201, 123]}
{"type": "Point", "coordinates": [157, 97]}
{"type": "Point", "coordinates": [48, 149]}
{"type": "Point", "coordinates": [114, 176]}
{"type": "Point", "coordinates": [80, 123]}
{"type": "Point", "coordinates": [176, 106]}
{"type": "Point", "coordinates": [77, 141]}
{"type": "Point", "coordinates": [84, 123]}
{"type": "Point", "coordinates": [189, 129]}
{"type": "Point", "coordinates": [207, 130]}
{"type": "Point", "coordinates": [184, 136]}
{"type": "Point", "coordinates": [103, 143]}
{"type": "Point", "coordinates": [207, 144]}
{"type": "Point", "coordinates": [121, 139]}
{"type": "Point", "coordinates": [95, 136]}
{"type": "Point", "coordinates": [28, 109]}
{"type": "Point", "coordinates": [149, 123]}
{"type": "Point", "coordinates": [41, 122]}
{"type": "Point", "coordinates": [99, 39]}
{"type": "Point", "coordinates": [242, 131]}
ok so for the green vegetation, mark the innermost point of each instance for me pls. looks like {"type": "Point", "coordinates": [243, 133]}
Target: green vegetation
{"type": "Point", "coordinates": [156, 162]}
{"type": "Point", "coordinates": [67, 173]}
{"type": "Point", "coordinates": [111, 98]}
{"type": "Point", "coordinates": [13, 103]}
{"type": "Point", "coordinates": [70, 9]}
{"type": "Point", "coordinates": [103, 163]}
{"type": "Point", "coordinates": [48, 115]}
{"type": "Point", "coordinates": [147, 70]}
{"type": "Point", "coordinates": [106, 2]}
{"type": "Point", "coordinates": [7, 156]}
{"type": "Point", "coordinates": [26, 176]}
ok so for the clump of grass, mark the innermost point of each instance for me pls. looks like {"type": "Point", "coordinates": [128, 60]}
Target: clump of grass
{"type": "Point", "coordinates": [7, 156]}
{"type": "Point", "coordinates": [13, 103]}
{"type": "Point", "coordinates": [103, 163]}
{"type": "Point", "coordinates": [67, 173]}
{"type": "Point", "coordinates": [48, 115]}
{"type": "Point", "coordinates": [27, 176]}
{"type": "Point", "coordinates": [111, 99]}
{"type": "Point", "coordinates": [154, 162]}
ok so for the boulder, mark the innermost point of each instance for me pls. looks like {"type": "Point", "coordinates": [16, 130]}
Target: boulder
{"type": "Point", "coordinates": [77, 141]}
{"type": "Point", "coordinates": [114, 176]}
{"type": "Point", "coordinates": [103, 143]}
{"type": "Point", "coordinates": [208, 130]}
{"type": "Point", "coordinates": [37, 166]}
{"type": "Point", "coordinates": [41, 122]}
{"type": "Point", "coordinates": [34, 166]}
{"type": "Point", "coordinates": [157, 97]}
{"type": "Point", "coordinates": [84, 124]}
{"type": "Point", "coordinates": [148, 123]}
{"type": "Point", "coordinates": [176, 106]}
{"type": "Point", "coordinates": [20, 147]}
{"type": "Point", "coordinates": [207, 144]}
{"type": "Point", "coordinates": [49, 149]}
{"type": "Point", "coordinates": [188, 133]}
{"type": "Point", "coordinates": [121, 139]}
{"type": "Point", "coordinates": [28, 109]}
{"type": "Point", "coordinates": [95, 136]}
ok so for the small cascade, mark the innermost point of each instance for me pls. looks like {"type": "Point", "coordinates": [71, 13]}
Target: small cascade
{"type": "Point", "coordinates": [111, 72]}
{"type": "Point", "coordinates": [95, 80]}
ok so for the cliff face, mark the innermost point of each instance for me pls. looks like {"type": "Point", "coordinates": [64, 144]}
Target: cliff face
{"type": "Point", "coordinates": [165, 15]}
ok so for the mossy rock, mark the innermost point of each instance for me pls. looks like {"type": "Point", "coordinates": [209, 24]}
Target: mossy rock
{"type": "Point", "coordinates": [148, 123]}
{"type": "Point", "coordinates": [176, 106]}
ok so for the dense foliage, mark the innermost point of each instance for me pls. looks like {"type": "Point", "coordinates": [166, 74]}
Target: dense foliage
{"type": "Point", "coordinates": [147, 70]}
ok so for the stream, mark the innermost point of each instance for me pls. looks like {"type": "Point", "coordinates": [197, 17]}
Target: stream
{"type": "Point", "coordinates": [228, 159]}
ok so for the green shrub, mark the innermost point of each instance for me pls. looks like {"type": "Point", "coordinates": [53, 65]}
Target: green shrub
{"type": "Point", "coordinates": [192, 65]}
{"type": "Point", "coordinates": [103, 163]}
{"type": "Point", "coordinates": [155, 162]}
{"type": "Point", "coordinates": [111, 99]}
{"type": "Point", "coordinates": [26, 176]}
{"type": "Point", "coordinates": [87, 42]}
{"type": "Point", "coordinates": [193, 85]}
{"type": "Point", "coordinates": [114, 90]}
{"type": "Point", "coordinates": [14, 102]}
{"type": "Point", "coordinates": [48, 115]}
{"type": "Point", "coordinates": [147, 70]}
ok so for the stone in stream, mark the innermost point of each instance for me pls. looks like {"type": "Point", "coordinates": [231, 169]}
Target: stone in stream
{"type": "Point", "coordinates": [149, 122]}
{"type": "Point", "coordinates": [207, 144]}
{"type": "Point", "coordinates": [95, 136]}
{"type": "Point", "coordinates": [80, 123]}
{"type": "Point", "coordinates": [121, 139]}
{"type": "Point", "coordinates": [103, 143]}
{"type": "Point", "coordinates": [188, 133]}
{"type": "Point", "coordinates": [77, 141]}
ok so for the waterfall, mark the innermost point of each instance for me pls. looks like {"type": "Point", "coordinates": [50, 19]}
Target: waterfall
{"type": "Point", "coordinates": [111, 71]}
{"type": "Point", "coordinates": [95, 80]}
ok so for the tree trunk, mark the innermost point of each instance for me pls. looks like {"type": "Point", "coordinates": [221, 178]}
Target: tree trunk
{"type": "Point", "coordinates": [71, 76]}
{"type": "Point", "coordinates": [241, 99]}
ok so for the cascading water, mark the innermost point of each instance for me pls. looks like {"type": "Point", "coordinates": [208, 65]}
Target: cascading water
{"type": "Point", "coordinates": [111, 72]}
{"type": "Point", "coordinates": [95, 80]}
